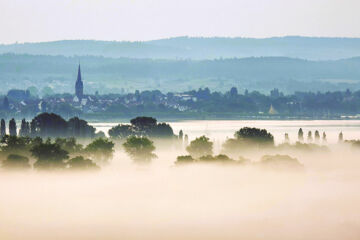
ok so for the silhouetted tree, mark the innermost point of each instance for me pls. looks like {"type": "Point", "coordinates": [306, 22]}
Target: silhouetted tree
{"type": "Point", "coordinates": [140, 149]}
{"type": "Point", "coordinates": [49, 125]}
{"type": "Point", "coordinates": [80, 128]}
{"type": "Point", "coordinates": [233, 92]}
{"type": "Point", "coordinates": [12, 128]}
{"type": "Point", "coordinates": [186, 139]}
{"type": "Point", "coordinates": [199, 147]}
{"type": "Point", "coordinates": [161, 130]}
{"type": "Point", "coordinates": [181, 135]}
{"type": "Point", "coordinates": [324, 137]}
{"type": "Point", "coordinates": [121, 131]}
{"type": "Point", "coordinates": [341, 137]}
{"type": "Point", "coordinates": [3, 128]}
{"type": "Point", "coordinates": [49, 156]}
{"type": "Point", "coordinates": [309, 137]}
{"type": "Point", "coordinates": [255, 135]}
{"type": "Point", "coordinates": [287, 140]}
{"type": "Point", "coordinates": [317, 136]}
{"type": "Point", "coordinates": [301, 135]}
{"type": "Point", "coordinates": [143, 125]}
{"type": "Point", "coordinates": [25, 129]}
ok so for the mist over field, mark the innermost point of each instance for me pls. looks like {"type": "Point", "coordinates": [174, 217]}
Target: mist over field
{"type": "Point", "coordinates": [162, 201]}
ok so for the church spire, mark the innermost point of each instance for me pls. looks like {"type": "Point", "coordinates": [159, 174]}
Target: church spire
{"type": "Point", "coordinates": [79, 74]}
{"type": "Point", "coordinates": [79, 87]}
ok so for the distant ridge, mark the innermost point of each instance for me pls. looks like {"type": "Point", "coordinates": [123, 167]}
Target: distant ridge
{"type": "Point", "coordinates": [310, 48]}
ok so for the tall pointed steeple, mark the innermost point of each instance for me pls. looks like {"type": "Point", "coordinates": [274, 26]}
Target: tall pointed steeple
{"type": "Point", "coordinates": [79, 86]}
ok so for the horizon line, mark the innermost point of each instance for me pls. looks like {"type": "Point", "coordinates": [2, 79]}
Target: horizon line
{"type": "Point", "coordinates": [180, 36]}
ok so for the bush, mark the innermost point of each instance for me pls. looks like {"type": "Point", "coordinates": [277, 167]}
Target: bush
{"type": "Point", "coordinates": [15, 161]}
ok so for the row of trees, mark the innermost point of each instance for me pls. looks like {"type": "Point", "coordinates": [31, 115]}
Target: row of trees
{"type": "Point", "coordinates": [17, 152]}
{"type": "Point", "coordinates": [142, 126]}
{"type": "Point", "coordinates": [50, 125]}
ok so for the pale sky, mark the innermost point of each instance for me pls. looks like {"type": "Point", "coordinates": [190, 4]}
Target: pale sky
{"type": "Point", "coordinates": [137, 20]}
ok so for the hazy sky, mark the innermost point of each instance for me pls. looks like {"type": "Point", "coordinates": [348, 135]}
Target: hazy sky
{"type": "Point", "coordinates": [45, 20]}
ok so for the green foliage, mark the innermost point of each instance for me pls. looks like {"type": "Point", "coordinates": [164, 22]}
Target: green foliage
{"type": "Point", "coordinates": [80, 163]}
{"type": "Point", "coordinates": [69, 144]}
{"type": "Point", "coordinates": [49, 156]}
{"type": "Point", "coordinates": [255, 135]}
{"type": "Point", "coordinates": [140, 149]}
{"type": "Point", "coordinates": [184, 159]}
{"type": "Point", "coordinates": [142, 126]}
{"type": "Point", "coordinates": [16, 162]}
{"type": "Point", "coordinates": [121, 131]}
{"type": "Point", "coordinates": [200, 147]}
{"type": "Point", "coordinates": [101, 149]}
{"type": "Point", "coordinates": [280, 162]}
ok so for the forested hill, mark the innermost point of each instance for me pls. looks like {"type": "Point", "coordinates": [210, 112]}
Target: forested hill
{"type": "Point", "coordinates": [199, 48]}
{"type": "Point", "coordinates": [127, 75]}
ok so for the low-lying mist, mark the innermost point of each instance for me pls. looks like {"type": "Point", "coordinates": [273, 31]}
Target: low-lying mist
{"type": "Point", "coordinates": [163, 200]}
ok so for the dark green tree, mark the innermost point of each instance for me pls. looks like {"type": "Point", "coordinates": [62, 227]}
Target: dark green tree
{"type": "Point", "coordinates": [121, 131]}
{"type": "Point", "coordinates": [140, 149]}
{"type": "Point", "coordinates": [80, 163]}
{"type": "Point", "coordinates": [143, 125]}
{"type": "Point", "coordinates": [15, 162]}
{"type": "Point", "coordinates": [255, 136]}
{"type": "Point", "coordinates": [101, 149]}
{"type": "Point", "coordinates": [199, 147]}
{"type": "Point", "coordinates": [49, 156]}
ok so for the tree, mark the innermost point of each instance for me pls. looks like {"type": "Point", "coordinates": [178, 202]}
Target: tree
{"type": "Point", "coordinates": [184, 159]}
{"type": "Point", "coordinates": [12, 128]}
{"type": "Point", "coordinates": [69, 144]}
{"type": "Point", "coordinates": [49, 156]}
{"type": "Point", "coordinates": [3, 128]}
{"type": "Point", "coordinates": [25, 129]}
{"type": "Point", "coordinates": [301, 135]}
{"type": "Point", "coordinates": [162, 130]}
{"type": "Point", "coordinates": [15, 161]}
{"type": "Point", "coordinates": [317, 136]}
{"type": "Point", "coordinates": [80, 163]}
{"type": "Point", "coordinates": [287, 140]}
{"type": "Point", "coordinates": [49, 125]}
{"type": "Point", "coordinates": [233, 92]}
{"type": "Point", "coordinates": [255, 135]}
{"type": "Point", "coordinates": [309, 137]}
{"type": "Point", "coordinates": [341, 137]}
{"type": "Point", "coordinates": [100, 149]}
{"type": "Point", "coordinates": [140, 149]}
{"type": "Point", "coordinates": [200, 147]}
{"type": "Point", "coordinates": [324, 137]}
{"type": "Point", "coordinates": [186, 139]}
{"type": "Point", "coordinates": [143, 124]}
{"type": "Point", "coordinates": [121, 131]}
{"type": "Point", "coordinates": [181, 135]}
{"type": "Point", "coordinates": [280, 162]}
{"type": "Point", "coordinates": [80, 128]}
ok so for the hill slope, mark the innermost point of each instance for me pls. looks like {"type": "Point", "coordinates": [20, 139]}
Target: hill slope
{"type": "Point", "coordinates": [199, 48]}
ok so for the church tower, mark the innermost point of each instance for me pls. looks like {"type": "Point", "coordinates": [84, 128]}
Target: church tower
{"type": "Point", "coordinates": [79, 86]}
